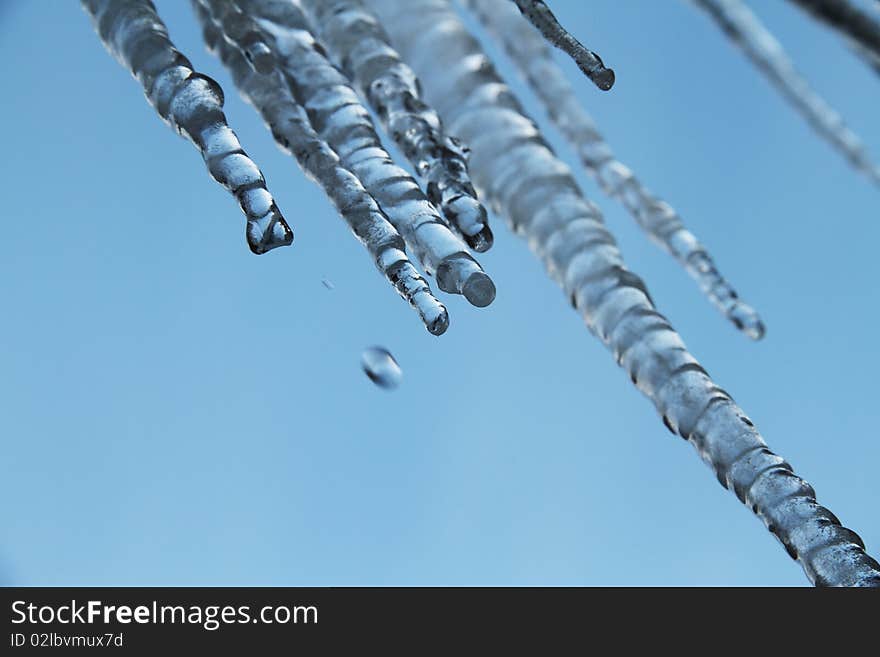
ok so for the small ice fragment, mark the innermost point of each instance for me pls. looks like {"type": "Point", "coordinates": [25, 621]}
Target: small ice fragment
{"type": "Point", "coordinates": [380, 366]}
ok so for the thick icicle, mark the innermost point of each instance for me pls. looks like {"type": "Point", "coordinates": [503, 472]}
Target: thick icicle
{"type": "Point", "coordinates": [539, 15]}
{"type": "Point", "coordinates": [744, 29]}
{"type": "Point", "coordinates": [345, 124]}
{"type": "Point", "coordinates": [267, 91]}
{"type": "Point", "coordinates": [358, 44]}
{"type": "Point", "coordinates": [860, 28]}
{"type": "Point", "coordinates": [192, 104]}
{"type": "Point", "coordinates": [534, 61]}
{"type": "Point", "coordinates": [517, 171]}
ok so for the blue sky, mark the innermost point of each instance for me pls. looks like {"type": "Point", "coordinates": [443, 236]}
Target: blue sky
{"type": "Point", "coordinates": [177, 411]}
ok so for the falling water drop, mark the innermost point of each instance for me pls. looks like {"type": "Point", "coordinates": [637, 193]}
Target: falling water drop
{"type": "Point", "coordinates": [380, 366]}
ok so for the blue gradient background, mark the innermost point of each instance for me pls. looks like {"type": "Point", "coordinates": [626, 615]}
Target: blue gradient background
{"type": "Point", "coordinates": [177, 411]}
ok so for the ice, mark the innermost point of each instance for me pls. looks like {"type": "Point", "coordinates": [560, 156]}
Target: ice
{"type": "Point", "coordinates": [657, 218]}
{"type": "Point", "coordinates": [539, 15]}
{"type": "Point", "coordinates": [859, 27]}
{"type": "Point", "coordinates": [192, 104]}
{"type": "Point", "coordinates": [289, 124]}
{"type": "Point", "coordinates": [518, 173]}
{"type": "Point", "coordinates": [358, 45]}
{"type": "Point", "coordinates": [743, 27]}
{"type": "Point", "coordinates": [340, 119]}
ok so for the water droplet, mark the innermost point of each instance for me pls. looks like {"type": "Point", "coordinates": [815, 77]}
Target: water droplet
{"type": "Point", "coordinates": [380, 366]}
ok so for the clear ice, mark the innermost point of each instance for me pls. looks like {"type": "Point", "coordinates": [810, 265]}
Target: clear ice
{"type": "Point", "coordinates": [358, 45]}
{"type": "Point", "coordinates": [267, 91]}
{"type": "Point", "coordinates": [379, 365]}
{"type": "Point", "coordinates": [539, 15]}
{"type": "Point", "coordinates": [860, 28]}
{"type": "Point", "coordinates": [743, 28]}
{"type": "Point", "coordinates": [658, 219]}
{"type": "Point", "coordinates": [514, 168]}
{"type": "Point", "coordinates": [313, 111]}
{"type": "Point", "coordinates": [344, 123]}
{"type": "Point", "coordinates": [192, 104]}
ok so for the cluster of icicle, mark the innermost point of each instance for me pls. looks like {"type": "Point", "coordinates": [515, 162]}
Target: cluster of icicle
{"type": "Point", "coordinates": [311, 69]}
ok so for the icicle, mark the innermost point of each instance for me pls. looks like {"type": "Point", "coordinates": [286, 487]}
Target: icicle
{"type": "Point", "coordinates": [241, 33]}
{"type": "Point", "coordinates": [359, 46]}
{"type": "Point", "coordinates": [537, 194]}
{"type": "Point", "coordinates": [268, 93]}
{"type": "Point", "coordinates": [860, 28]}
{"type": "Point", "coordinates": [535, 63]}
{"type": "Point", "coordinates": [192, 104]}
{"type": "Point", "coordinates": [339, 118]}
{"type": "Point", "coordinates": [744, 28]}
{"type": "Point", "coordinates": [539, 15]}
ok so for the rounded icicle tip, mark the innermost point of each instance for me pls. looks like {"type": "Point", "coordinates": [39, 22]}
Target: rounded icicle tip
{"type": "Point", "coordinates": [479, 289]}
{"type": "Point", "coordinates": [438, 324]}
{"type": "Point", "coordinates": [748, 321]}
{"type": "Point", "coordinates": [604, 79]}
{"type": "Point", "coordinates": [482, 241]}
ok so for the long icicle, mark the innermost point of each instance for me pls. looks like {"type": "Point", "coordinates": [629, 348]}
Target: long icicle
{"type": "Point", "coordinates": [658, 219]}
{"type": "Point", "coordinates": [517, 171]}
{"type": "Point", "coordinates": [267, 91]}
{"type": "Point", "coordinates": [859, 27]}
{"type": "Point", "coordinates": [358, 45]}
{"type": "Point", "coordinates": [192, 104]}
{"type": "Point", "coordinates": [345, 124]}
{"type": "Point", "coordinates": [744, 29]}
{"type": "Point", "coordinates": [539, 15]}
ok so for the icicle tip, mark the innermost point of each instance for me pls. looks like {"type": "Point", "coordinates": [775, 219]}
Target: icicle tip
{"type": "Point", "coordinates": [268, 232]}
{"type": "Point", "coordinates": [479, 289]}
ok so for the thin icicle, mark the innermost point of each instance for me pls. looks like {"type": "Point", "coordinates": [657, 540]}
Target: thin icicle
{"type": "Point", "coordinates": [534, 61]}
{"type": "Point", "coordinates": [267, 91]}
{"type": "Point", "coordinates": [357, 43]}
{"type": "Point", "coordinates": [192, 104]}
{"type": "Point", "coordinates": [539, 15]}
{"type": "Point", "coordinates": [536, 192]}
{"type": "Point", "coordinates": [860, 28]}
{"type": "Point", "coordinates": [345, 124]}
{"type": "Point", "coordinates": [744, 28]}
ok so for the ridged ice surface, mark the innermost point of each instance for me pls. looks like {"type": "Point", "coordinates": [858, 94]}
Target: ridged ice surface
{"type": "Point", "coordinates": [358, 45]}
{"type": "Point", "coordinates": [267, 91]}
{"type": "Point", "coordinates": [658, 219]}
{"type": "Point", "coordinates": [539, 15]}
{"type": "Point", "coordinates": [240, 32]}
{"type": "Point", "coordinates": [744, 29]}
{"type": "Point", "coordinates": [516, 170]}
{"type": "Point", "coordinates": [860, 27]}
{"type": "Point", "coordinates": [340, 119]}
{"type": "Point", "coordinates": [192, 104]}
